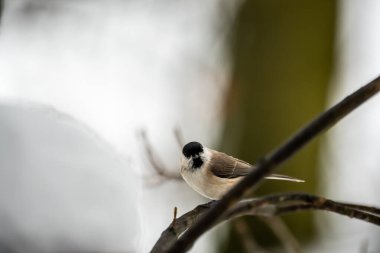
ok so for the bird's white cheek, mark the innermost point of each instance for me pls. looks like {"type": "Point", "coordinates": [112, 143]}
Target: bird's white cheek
{"type": "Point", "coordinates": [184, 162]}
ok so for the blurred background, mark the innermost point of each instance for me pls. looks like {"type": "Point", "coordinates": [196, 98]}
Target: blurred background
{"type": "Point", "coordinates": [80, 80]}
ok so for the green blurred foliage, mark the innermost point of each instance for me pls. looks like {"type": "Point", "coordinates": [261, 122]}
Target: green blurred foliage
{"type": "Point", "coordinates": [283, 59]}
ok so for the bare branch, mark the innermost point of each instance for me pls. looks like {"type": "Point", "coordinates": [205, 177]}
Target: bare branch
{"type": "Point", "coordinates": [271, 205]}
{"type": "Point", "coordinates": [171, 234]}
{"type": "Point", "coordinates": [246, 237]}
{"type": "Point", "coordinates": [157, 165]}
{"type": "Point", "coordinates": [268, 164]}
{"type": "Point", "coordinates": [279, 228]}
{"type": "Point", "coordinates": [179, 137]}
{"type": "Point", "coordinates": [286, 203]}
{"type": "Point", "coordinates": [369, 209]}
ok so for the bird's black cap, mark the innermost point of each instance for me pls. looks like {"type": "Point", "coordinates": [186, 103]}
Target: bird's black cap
{"type": "Point", "coordinates": [192, 148]}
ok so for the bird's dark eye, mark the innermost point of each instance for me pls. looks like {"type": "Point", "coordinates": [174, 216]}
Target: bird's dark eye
{"type": "Point", "coordinates": [192, 148]}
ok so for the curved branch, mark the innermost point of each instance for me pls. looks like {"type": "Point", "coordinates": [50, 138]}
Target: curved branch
{"type": "Point", "coordinates": [270, 162]}
{"type": "Point", "coordinates": [178, 226]}
{"type": "Point", "coordinates": [157, 165]}
{"type": "Point", "coordinates": [271, 205]}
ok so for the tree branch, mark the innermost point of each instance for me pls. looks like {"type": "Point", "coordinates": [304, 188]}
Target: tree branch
{"type": "Point", "coordinates": [270, 162]}
{"type": "Point", "coordinates": [177, 227]}
{"type": "Point", "coordinates": [271, 205]}
{"type": "Point", "coordinates": [280, 229]}
{"type": "Point", "coordinates": [246, 237]}
{"type": "Point", "coordinates": [157, 165]}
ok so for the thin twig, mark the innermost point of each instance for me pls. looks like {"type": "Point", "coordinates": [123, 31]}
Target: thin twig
{"type": "Point", "coordinates": [281, 230]}
{"type": "Point", "coordinates": [179, 137]}
{"type": "Point", "coordinates": [271, 205]}
{"type": "Point", "coordinates": [157, 165]}
{"type": "Point", "coordinates": [278, 227]}
{"type": "Point", "coordinates": [246, 237]}
{"type": "Point", "coordinates": [174, 216]}
{"type": "Point", "coordinates": [169, 235]}
{"type": "Point", "coordinates": [268, 164]}
{"type": "Point", "coordinates": [369, 209]}
{"type": "Point", "coordinates": [285, 203]}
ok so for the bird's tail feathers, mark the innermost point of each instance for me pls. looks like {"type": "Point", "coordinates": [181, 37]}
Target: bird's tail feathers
{"type": "Point", "coordinates": [285, 178]}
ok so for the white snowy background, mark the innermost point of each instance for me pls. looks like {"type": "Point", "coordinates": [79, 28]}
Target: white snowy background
{"type": "Point", "coordinates": [351, 155]}
{"type": "Point", "coordinates": [80, 79]}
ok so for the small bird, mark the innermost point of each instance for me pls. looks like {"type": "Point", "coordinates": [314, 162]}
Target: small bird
{"type": "Point", "coordinates": [212, 173]}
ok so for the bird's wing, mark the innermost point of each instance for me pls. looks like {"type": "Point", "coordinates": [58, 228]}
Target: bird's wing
{"type": "Point", "coordinates": [225, 166]}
